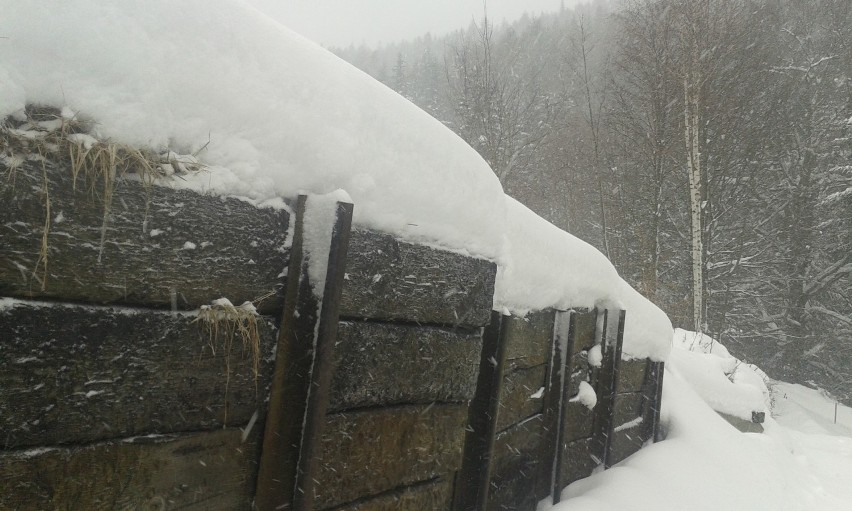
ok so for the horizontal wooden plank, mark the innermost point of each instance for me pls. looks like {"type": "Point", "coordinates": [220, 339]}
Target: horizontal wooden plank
{"type": "Point", "coordinates": [579, 421]}
{"type": "Point", "coordinates": [627, 441]}
{"type": "Point", "coordinates": [579, 461]}
{"type": "Point", "coordinates": [156, 243]}
{"type": "Point", "coordinates": [383, 364]}
{"type": "Point", "coordinates": [517, 448]}
{"type": "Point", "coordinates": [516, 396]}
{"type": "Point", "coordinates": [516, 466]}
{"type": "Point", "coordinates": [627, 408]}
{"type": "Point", "coordinates": [80, 374]}
{"type": "Point", "coordinates": [390, 279]}
{"type": "Point", "coordinates": [631, 375]}
{"type": "Point", "coordinates": [371, 451]}
{"type": "Point", "coordinates": [201, 472]}
{"type": "Point", "coordinates": [434, 495]}
{"type": "Point", "coordinates": [530, 340]}
{"type": "Point", "coordinates": [585, 326]}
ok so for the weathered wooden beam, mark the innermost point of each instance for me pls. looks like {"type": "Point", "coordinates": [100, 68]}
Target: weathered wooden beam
{"type": "Point", "coordinates": [579, 461]}
{"type": "Point", "coordinates": [632, 375]}
{"type": "Point", "coordinates": [553, 399]}
{"type": "Point", "coordinates": [516, 465]}
{"type": "Point", "coordinates": [154, 247]}
{"type": "Point", "coordinates": [607, 387]}
{"type": "Point", "coordinates": [371, 451]}
{"type": "Point", "coordinates": [80, 374]}
{"type": "Point", "coordinates": [655, 403]}
{"type": "Point", "coordinates": [521, 396]}
{"type": "Point", "coordinates": [472, 480]}
{"type": "Point", "coordinates": [433, 495]}
{"type": "Point", "coordinates": [200, 471]}
{"type": "Point", "coordinates": [303, 368]}
{"type": "Point", "coordinates": [529, 340]}
{"type": "Point", "coordinates": [392, 280]}
{"type": "Point", "coordinates": [376, 364]}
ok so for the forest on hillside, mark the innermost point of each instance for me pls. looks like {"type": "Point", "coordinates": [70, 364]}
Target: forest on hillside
{"type": "Point", "coordinates": [704, 147]}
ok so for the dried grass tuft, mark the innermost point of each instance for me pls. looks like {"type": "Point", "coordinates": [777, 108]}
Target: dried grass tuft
{"type": "Point", "coordinates": [41, 133]}
{"type": "Point", "coordinates": [223, 323]}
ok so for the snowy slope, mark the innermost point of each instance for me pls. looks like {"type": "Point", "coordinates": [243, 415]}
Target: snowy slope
{"type": "Point", "coordinates": [282, 116]}
{"type": "Point", "coordinates": [706, 464]}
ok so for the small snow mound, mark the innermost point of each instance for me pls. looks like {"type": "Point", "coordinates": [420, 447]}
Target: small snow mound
{"type": "Point", "coordinates": [585, 396]}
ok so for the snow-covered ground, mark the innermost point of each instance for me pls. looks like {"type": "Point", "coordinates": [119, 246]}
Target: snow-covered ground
{"type": "Point", "coordinates": [802, 462]}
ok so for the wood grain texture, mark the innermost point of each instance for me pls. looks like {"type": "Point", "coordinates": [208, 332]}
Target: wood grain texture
{"type": "Point", "coordinates": [626, 442]}
{"type": "Point", "coordinates": [372, 451]}
{"type": "Point", "coordinates": [433, 495]}
{"type": "Point", "coordinates": [516, 466]}
{"type": "Point", "coordinates": [472, 481]}
{"type": "Point", "coordinates": [82, 374]}
{"type": "Point", "coordinates": [579, 422]}
{"type": "Point", "coordinates": [627, 408]}
{"type": "Point", "coordinates": [631, 375]}
{"type": "Point", "coordinates": [585, 324]}
{"type": "Point", "coordinates": [580, 461]}
{"type": "Point", "coordinates": [516, 401]}
{"type": "Point", "coordinates": [386, 364]}
{"type": "Point", "coordinates": [199, 472]}
{"type": "Point", "coordinates": [529, 340]}
{"type": "Point", "coordinates": [144, 258]}
{"type": "Point", "coordinates": [388, 279]}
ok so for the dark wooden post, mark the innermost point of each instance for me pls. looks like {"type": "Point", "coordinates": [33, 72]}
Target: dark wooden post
{"type": "Point", "coordinates": [299, 393]}
{"type": "Point", "coordinates": [556, 394]}
{"type": "Point", "coordinates": [654, 398]}
{"type": "Point", "coordinates": [472, 480]}
{"type": "Point", "coordinates": [608, 386]}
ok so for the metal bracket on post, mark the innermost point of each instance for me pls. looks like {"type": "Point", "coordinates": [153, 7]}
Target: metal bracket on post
{"type": "Point", "coordinates": [299, 393]}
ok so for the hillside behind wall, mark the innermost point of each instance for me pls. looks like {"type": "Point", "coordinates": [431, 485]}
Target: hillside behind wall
{"type": "Point", "coordinates": [112, 395]}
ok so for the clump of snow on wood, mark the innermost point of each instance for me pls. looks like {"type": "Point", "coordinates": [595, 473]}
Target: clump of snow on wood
{"type": "Point", "coordinates": [595, 356]}
{"type": "Point", "coordinates": [271, 114]}
{"type": "Point", "coordinates": [586, 396]}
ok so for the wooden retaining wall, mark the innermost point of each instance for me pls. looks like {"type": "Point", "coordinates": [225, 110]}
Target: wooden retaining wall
{"type": "Point", "coordinates": [399, 389]}
{"type": "Point", "coordinates": [537, 437]}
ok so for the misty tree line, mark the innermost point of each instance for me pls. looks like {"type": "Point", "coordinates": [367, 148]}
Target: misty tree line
{"type": "Point", "coordinates": [705, 146]}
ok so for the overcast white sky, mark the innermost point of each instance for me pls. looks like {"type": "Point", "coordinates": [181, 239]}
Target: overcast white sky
{"type": "Point", "coordinates": [344, 22]}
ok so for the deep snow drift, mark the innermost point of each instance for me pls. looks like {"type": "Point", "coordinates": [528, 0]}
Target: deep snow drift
{"type": "Point", "coordinates": [283, 116]}
{"type": "Point", "coordinates": [802, 462]}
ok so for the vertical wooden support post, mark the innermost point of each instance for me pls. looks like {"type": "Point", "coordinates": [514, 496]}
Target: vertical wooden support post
{"type": "Point", "coordinates": [299, 393]}
{"type": "Point", "coordinates": [607, 387]}
{"type": "Point", "coordinates": [654, 398]}
{"type": "Point", "coordinates": [472, 480]}
{"type": "Point", "coordinates": [556, 395]}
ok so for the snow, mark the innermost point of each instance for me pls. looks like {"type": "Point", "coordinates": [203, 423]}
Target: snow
{"type": "Point", "coordinates": [548, 267]}
{"type": "Point", "coordinates": [595, 356]}
{"type": "Point", "coordinates": [319, 220]}
{"type": "Point", "coordinates": [271, 115]}
{"type": "Point", "coordinates": [723, 382]}
{"type": "Point", "coordinates": [585, 396]}
{"type": "Point", "coordinates": [801, 462]}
